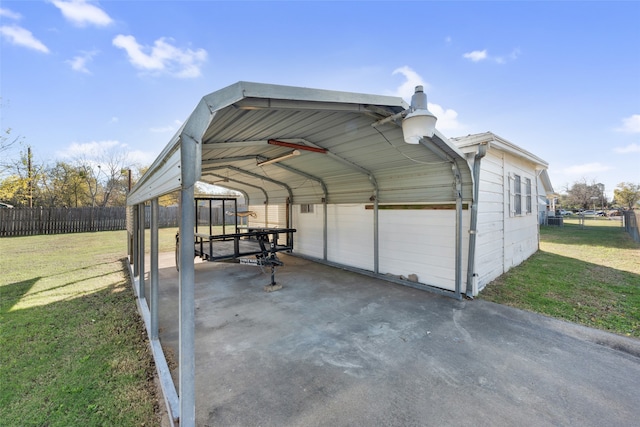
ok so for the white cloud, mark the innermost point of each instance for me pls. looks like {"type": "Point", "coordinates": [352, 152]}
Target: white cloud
{"type": "Point", "coordinates": [81, 13]}
{"type": "Point", "coordinates": [79, 63]}
{"type": "Point", "coordinates": [10, 14]}
{"type": "Point", "coordinates": [413, 79]}
{"type": "Point", "coordinates": [94, 151]}
{"type": "Point", "coordinates": [90, 150]}
{"type": "Point", "coordinates": [511, 57]}
{"type": "Point", "coordinates": [630, 124]}
{"type": "Point", "coordinates": [169, 128]}
{"type": "Point", "coordinates": [139, 157]}
{"type": "Point", "coordinates": [162, 57]}
{"type": "Point", "coordinates": [114, 119]}
{"type": "Point", "coordinates": [631, 148]}
{"type": "Point", "coordinates": [476, 55]}
{"type": "Point", "coordinates": [447, 118]}
{"type": "Point", "coordinates": [586, 169]}
{"type": "Point", "coordinates": [22, 37]}
{"type": "Point", "coordinates": [482, 55]}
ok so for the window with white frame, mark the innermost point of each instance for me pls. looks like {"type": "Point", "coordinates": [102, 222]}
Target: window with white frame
{"type": "Point", "coordinates": [517, 195]}
{"type": "Point", "coordinates": [527, 183]}
{"type": "Point", "coordinates": [306, 208]}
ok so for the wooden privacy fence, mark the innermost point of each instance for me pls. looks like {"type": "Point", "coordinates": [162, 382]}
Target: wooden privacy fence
{"type": "Point", "coordinates": [32, 221]}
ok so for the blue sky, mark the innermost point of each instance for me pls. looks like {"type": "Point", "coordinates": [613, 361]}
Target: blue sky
{"type": "Point", "coordinates": [560, 79]}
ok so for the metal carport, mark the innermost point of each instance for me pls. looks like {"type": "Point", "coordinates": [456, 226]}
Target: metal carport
{"type": "Point", "coordinates": [349, 149]}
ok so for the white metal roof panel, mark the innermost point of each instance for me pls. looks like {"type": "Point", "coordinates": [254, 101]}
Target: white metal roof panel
{"type": "Point", "coordinates": [235, 125]}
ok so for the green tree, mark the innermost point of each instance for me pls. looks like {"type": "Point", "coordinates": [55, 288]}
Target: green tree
{"type": "Point", "coordinates": [63, 185]}
{"type": "Point", "coordinates": [627, 194]}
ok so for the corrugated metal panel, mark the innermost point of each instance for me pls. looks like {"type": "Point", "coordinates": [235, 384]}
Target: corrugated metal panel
{"type": "Point", "coordinates": [248, 115]}
{"type": "Point", "coordinates": [361, 145]}
{"type": "Point", "coordinates": [350, 235]}
{"type": "Point", "coordinates": [429, 253]}
{"type": "Point", "coordinates": [166, 179]}
{"type": "Point", "coordinates": [308, 238]}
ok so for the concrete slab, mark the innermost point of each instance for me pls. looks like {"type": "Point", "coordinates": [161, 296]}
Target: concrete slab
{"type": "Point", "coordinates": [338, 348]}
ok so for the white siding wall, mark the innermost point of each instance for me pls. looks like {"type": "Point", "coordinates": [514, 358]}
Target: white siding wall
{"type": "Point", "coordinates": [260, 218]}
{"type": "Point", "coordinates": [350, 235]}
{"type": "Point", "coordinates": [491, 216]}
{"type": "Point", "coordinates": [521, 231]}
{"type": "Point", "coordinates": [308, 240]}
{"type": "Point", "coordinates": [504, 239]}
{"type": "Point", "coordinates": [268, 216]}
{"type": "Point", "coordinates": [271, 216]}
{"type": "Point", "coordinates": [420, 242]}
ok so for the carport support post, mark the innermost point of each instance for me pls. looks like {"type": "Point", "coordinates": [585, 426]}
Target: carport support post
{"type": "Point", "coordinates": [153, 273]}
{"type": "Point", "coordinates": [141, 221]}
{"type": "Point", "coordinates": [186, 284]}
{"type": "Point", "coordinates": [134, 238]}
{"type": "Point", "coordinates": [376, 232]}
{"type": "Point", "coordinates": [324, 227]}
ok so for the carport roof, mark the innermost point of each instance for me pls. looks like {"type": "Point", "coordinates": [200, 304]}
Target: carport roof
{"type": "Point", "coordinates": [345, 154]}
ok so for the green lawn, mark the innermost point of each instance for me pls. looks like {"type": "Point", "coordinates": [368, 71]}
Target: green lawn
{"type": "Point", "coordinates": [585, 274]}
{"type": "Point", "coordinates": [73, 347]}
{"type": "Point", "coordinates": [74, 350]}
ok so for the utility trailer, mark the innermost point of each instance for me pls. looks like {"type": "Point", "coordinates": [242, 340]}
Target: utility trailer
{"type": "Point", "coordinates": [263, 243]}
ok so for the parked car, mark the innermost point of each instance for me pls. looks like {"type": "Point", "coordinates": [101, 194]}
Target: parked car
{"type": "Point", "coordinates": [588, 213]}
{"type": "Point", "coordinates": [5, 205]}
{"type": "Point", "coordinates": [565, 212]}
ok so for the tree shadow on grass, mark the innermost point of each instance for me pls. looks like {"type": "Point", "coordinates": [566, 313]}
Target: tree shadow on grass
{"type": "Point", "coordinates": [12, 293]}
{"type": "Point", "coordinates": [77, 361]}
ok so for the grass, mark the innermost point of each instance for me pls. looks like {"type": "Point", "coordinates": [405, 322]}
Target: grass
{"type": "Point", "coordinates": [588, 275]}
{"type": "Point", "coordinates": [74, 349]}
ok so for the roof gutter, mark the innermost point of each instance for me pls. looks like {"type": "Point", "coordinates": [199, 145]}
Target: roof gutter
{"type": "Point", "coordinates": [473, 227]}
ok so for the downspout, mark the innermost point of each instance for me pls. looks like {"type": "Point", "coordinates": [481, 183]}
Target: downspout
{"type": "Point", "coordinates": [473, 227]}
{"type": "Point", "coordinates": [458, 189]}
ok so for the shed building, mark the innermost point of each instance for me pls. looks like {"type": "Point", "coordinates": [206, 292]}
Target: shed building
{"type": "Point", "coordinates": [443, 215]}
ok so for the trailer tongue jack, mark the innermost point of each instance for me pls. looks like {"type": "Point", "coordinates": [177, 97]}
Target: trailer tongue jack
{"type": "Point", "coordinates": [266, 259]}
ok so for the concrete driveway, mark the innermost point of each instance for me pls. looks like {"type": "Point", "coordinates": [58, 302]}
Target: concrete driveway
{"type": "Point", "coordinates": [335, 348]}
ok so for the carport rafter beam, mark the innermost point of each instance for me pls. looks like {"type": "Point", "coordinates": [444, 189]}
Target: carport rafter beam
{"type": "Point", "coordinates": [249, 173]}
{"type": "Point", "coordinates": [298, 172]}
{"type": "Point", "coordinates": [348, 163]}
{"type": "Point", "coordinates": [297, 141]}
{"type": "Point", "coordinates": [227, 159]}
{"type": "Point", "coordinates": [266, 195]}
{"type": "Point", "coordinates": [426, 142]}
{"type": "Point", "coordinates": [325, 214]}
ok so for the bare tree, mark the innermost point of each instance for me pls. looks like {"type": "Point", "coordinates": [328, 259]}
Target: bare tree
{"type": "Point", "coordinates": [582, 194]}
{"type": "Point", "coordinates": [104, 178]}
{"type": "Point", "coordinates": [112, 166]}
